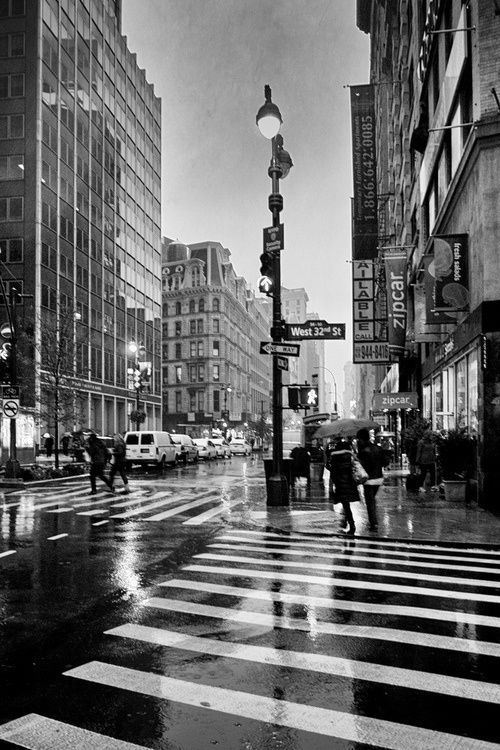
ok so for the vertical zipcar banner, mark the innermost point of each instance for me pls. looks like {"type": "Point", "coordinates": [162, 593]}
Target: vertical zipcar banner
{"type": "Point", "coordinates": [364, 168]}
{"type": "Point", "coordinates": [451, 272]}
{"type": "Point", "coordinates": [397, 299]}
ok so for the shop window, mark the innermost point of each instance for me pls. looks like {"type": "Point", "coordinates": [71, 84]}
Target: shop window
{"type": "Point", "coordinates": [472, 367]}
{"type": "Point", "coordinates": [461, 393]}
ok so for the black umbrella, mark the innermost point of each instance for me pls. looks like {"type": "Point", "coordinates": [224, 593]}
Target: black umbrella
{"type": "Point", "coordinates": [345, 427]}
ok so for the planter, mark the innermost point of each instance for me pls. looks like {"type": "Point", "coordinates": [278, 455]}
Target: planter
{"type": "Point", "coordinates": [454, 490]}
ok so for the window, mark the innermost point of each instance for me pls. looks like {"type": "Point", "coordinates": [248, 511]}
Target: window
{"type": "Point", "coordinates": [11, 8]}
{"type": "Point", "coordinates": [201, 373]}
{"type": "Point", "coordinates": [12, 208]}
{"type": "Point", "coordinates": [178, 328]}
{"type": "Point", "coordinates": [192, 373]}
{"type": "Point", "coordinates": [49, 297]}
{"type": "Point", "coordinates": [192, 326]}
{"type": "Point", "coordinates": [178, 308]}
{"type": "Point", "coordinates": [201, 305]}
{"type": "Point", "coordinates": [199, 326]}
{"type": "Point", "coordinates": [192, 401]}
{"type": "Point", "coordinates": [11, 86]}
{"type": "Point", "coordinates": [178, 401]}
{"type": "Point", "coordinates": [216, 377]}
{"type": "Point", "coordinates": [12, 45]}
{"type": "Point", "coordinates": [216, 304]}
{"type": "Point", "coordinates": [216, 325]}
{"type": "Point", "coordinates": [201, 400]}
{"type": "Point", "coordinates": [12, 167]}
{"type": "Point", "coordinates": [216, 398]}
{"type": "Point", "coordinates": [192, 306]}
{"type": "Point", "coordinates": [11, 250]}
{"type": "Point", "coordinates": [178, 374]}
{"type": "Point", "coordinates": [164, 376]}
{"type": "Point", "coordinates": [215, 349]}
{"type": "Point", "coordinates": [11, 126]}
{"type": "Point", "coordinates": [178, 351]}
{"type": "Point", "coordinates": [192, 349]}
{"type": "Point", "coordinates": [200, 349]}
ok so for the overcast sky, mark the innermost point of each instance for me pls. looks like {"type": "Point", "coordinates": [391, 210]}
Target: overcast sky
{"type": "Point", "coordinates": [208, 61]}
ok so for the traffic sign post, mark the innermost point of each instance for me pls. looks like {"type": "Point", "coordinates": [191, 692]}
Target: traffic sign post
{"type": "Point", "coordinates": [274, 238]}
{"type": "Point", "coordinates": [314, 329]}
{"type": "Point", "coordinates": [282, 363]}
{"type": "Point", "coordinates": [10, 391]}
{"type": "Point", "coordinates": [10, 408]}
{"type": "Point", "coordinates": [289, 350]}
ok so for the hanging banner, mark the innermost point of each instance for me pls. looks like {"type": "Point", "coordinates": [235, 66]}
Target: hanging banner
{"type": "Point", "coordinates": [364, 168]}
{"type": "Point", "coordinates": [451, 273]}
{"type": "Point", "coordinates": [433, 316]}
{"type": "Point", "coordinates": [397, 298]}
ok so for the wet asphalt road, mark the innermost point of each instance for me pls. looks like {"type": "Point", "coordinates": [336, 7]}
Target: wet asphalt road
{"type": "Point", "coordinates": [169, 619]}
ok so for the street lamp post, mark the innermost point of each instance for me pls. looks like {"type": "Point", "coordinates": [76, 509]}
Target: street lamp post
{"type": "Point", "coordinates": [136, 379]}
{"type": "Point", "coordinates": [335, 403]}
{"type": "Point", "coordinates": [12, 465]}
{"type": "Point", "coordinates": [269, 122]}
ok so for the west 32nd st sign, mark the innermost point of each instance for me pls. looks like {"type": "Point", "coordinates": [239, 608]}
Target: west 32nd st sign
{"type": "Point", "coordinates": [314, 329]}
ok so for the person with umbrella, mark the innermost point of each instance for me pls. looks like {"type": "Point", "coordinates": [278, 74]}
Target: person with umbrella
{"type": "Point", "coordinates": [373, 459]}
{"type": "Point", "coordinates": [341, 476]}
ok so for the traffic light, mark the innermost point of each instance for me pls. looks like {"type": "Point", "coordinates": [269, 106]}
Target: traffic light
{"type": "Point", "coordinates": [137, 379]}
{"type": "Point", "coordinates": [266, 281]}
{"type": "Point", "coordinates": [293, 398]}
{"type": "Point", "coordinates": [309, 396]}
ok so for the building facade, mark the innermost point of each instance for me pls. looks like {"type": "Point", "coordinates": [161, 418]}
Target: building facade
{"type": "Point", "coordinates": [213, 374]}
{"type": "Point", "coordinates": [434, 70]}
{"type": "Point", "coordinates": [80, 191]}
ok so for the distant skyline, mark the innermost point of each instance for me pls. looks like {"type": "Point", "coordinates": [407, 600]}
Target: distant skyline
{"type": "Point", "coordinates": [209, 61]}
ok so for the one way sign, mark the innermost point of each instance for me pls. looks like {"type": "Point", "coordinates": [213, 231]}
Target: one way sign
{"type": "Point", "coordinates": [289, 350]}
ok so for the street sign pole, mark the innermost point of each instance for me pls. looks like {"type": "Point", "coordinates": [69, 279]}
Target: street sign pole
{"type": "Point", "coordinates": [277, 486]}
{"type": "Point", "coordinates": [12, 465]}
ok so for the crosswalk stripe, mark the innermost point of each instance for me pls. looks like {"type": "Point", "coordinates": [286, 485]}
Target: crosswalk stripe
{"type": "Point", "coordinates": [345, 583]}
{"type": "Point", "coordinates": [211, 512]}
{"type": "Point", "coordinates": [431, 546]}
{"type": "Point", "coordinates": [61, 510]}
{"type": "Point", "coordinates": [100, 523]}
{"type": "Point", "coordinates": [393, 635]}
{"type": "Point", "coordinates": [395, 610]}
{"type": "Point", "coordinates": [153, 506]}
{"type": "Point", "coordinates": [57, 536]}
{"type": "Point", "coordinates": [96, 512]}
{"type": "Point", "coordinates": [183, 508]}
{"type": "Point", "coordinates": [354, 728]}
{"type": "Point", "coordinates": [353, 549]}
{"type": "Point", "coordinates": [354, 557]}
{"type": "Point", "coordinates": [8, 552]}
{"type": "Point", "coordinates": [456, 687]}
{"type": "Point", "coordinates": [455, 580]}
{"type": "Point", "coordinates": [138, 500]}
{"type": "Point", "coordinates": [37, 732]}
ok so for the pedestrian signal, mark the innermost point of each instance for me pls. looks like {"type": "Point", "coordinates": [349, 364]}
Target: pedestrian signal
{"type": "Point", "coordinates": [309, 396]}
{"type": "Point", "coordinates": [293, 398]}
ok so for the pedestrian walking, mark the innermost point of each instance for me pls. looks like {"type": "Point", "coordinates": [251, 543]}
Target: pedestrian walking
{"type": "Point", "coordinates": [340, 465]}
{"type": "Point", "coordinates": [65, 440]}
{"type": "Point", "coordinates": [373, 459]}
{"type": "Point", "coordinates": [300, 463]}
{"type": "Point", "coordinates": [118, 462]}
{"type": "Point", "coordinates": [48, 444]}
{"type": "Point", "coordinates": [426, 461]}
{"type": "Point", "coordinates": [99, 457]}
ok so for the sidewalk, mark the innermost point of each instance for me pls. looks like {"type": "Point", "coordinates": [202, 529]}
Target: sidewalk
{"type": "Point", "coordinates": [401, 515]}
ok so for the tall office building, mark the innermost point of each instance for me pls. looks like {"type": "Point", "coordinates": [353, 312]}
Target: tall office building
{"type": "Point", "coordinates": [80, 192]}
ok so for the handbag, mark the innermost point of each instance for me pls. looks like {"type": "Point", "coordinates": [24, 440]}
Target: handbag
{"type": "Point", "coordinates": [359, 475]}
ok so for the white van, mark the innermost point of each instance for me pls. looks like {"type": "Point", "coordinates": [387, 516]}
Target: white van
{"type": "Point", "coordinates": [149, 448]}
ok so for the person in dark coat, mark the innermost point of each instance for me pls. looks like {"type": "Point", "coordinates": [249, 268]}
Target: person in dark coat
{"type": "Point", "coordinates": [118, 465]}
{"type": "Point", "coordinates": [99, 457]}
{"type": "Point", "coordinates": [65, 440]}
{"type": "Point", "coordinates": [346, 491]}
{"type": "Point", "coordinates": [426, 459]}
{"type": "Point", "coordinates": [49, 445]}
{"type": "Point", "coordinates": [373, 459]}
{"type": "Point", "coordinates": [300, 463]}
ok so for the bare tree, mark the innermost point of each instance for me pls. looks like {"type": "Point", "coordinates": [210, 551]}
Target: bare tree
{"type": "Point", "coordinates": [60, 401]}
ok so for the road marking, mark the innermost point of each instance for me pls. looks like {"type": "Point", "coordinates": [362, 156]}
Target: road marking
{"type": "Point", "coordinates": [183, 508]}
{"type": "Point", "coordinates": [410, 546]}
{"type": "Point", "coordinates": [345, 583]}
{"type": "Point", "coordinates": [454, 580]}
{"type": "Point", "coordinates": [393, 635]}
{"type": "Point", "coordinates": [136, 501]}
{"type": "Point", "coordinates": [10, 505]}
{"type": "Point", "coordinates": [101, 523]}
{"type": "Point", "coordinates": [456, 687]}
{"type": "Point", "coordinates": [353, 556]}
{"type": "Point", "coordinates": [350, 606]}
{"type": "Point", "coordinates": [96, 512]}
{"type": "Point", "coordinates": [61, 510]}
{"type": "Point", "coordinates": [37, 732]}
{"type": "Point", "coordinates": [151, 506]}
{"type": "Point", "coordinates": [197, 520]}
{"type": "Point", "coordinates": [354, 728]}
{"type": "Point", "coordinates": [8, 552]}
{"type": "Point", "coordinates": [57, 536]}
{"type": "Point", "coordinates": [354, 548]}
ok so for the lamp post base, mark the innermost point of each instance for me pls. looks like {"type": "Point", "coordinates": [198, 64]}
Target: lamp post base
{"type": "Point", "coordinates": [277, 491]}
{"type": "Point", "coordinates": [12, 468]}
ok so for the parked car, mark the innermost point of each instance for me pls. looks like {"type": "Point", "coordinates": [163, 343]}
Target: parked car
{"type": "Point", "coordinates": [206, 448]}
{"type": "Point", "coordinates": [240, 446]}
{"type": "Point", "coordinates": [222, 447]}
{"type": "Point", "coordinates": [185, 448]}
{"type": "Point", "coordinates": [150, 447]}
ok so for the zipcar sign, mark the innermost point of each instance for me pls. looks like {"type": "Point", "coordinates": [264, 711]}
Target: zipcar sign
{"type": "Point", "coordinates": [393, 401]}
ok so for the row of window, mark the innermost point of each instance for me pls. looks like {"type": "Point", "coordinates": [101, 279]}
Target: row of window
{"type": "Point", "coordinates": [192, 307]}
{"type": "Point", "coordinates": [12, 8]}
{"type": "Point", "coordinates": [195, 373]}
{"type": "Point", "coordinates": [11, 85]}
{"type": "Point", "coordinates": [12, 167]}
{"type": "Point", "coordinates": [197, 400]}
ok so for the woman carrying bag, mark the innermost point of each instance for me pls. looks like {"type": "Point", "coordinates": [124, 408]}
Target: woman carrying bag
{"type": "Point", "coordinates": [373, 459]}
{"type": "Point", "coordinates": [340, 464]}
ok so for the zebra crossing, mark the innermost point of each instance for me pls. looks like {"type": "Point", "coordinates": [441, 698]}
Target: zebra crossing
{"type": "Point", "coordinates": [140, 504]}
{"type": "Point", "coordinates": [304, 639]}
